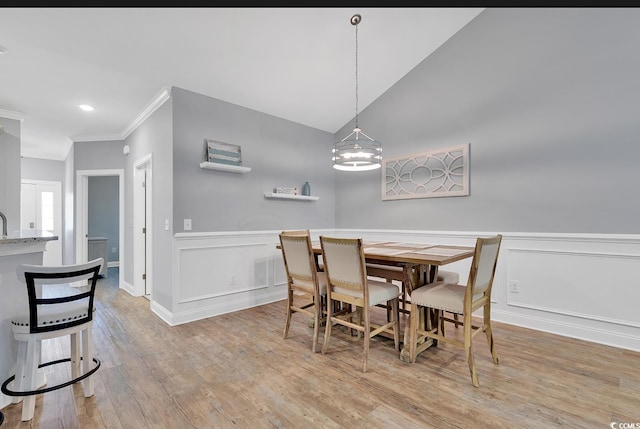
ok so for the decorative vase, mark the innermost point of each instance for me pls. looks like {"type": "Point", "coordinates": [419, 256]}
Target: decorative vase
{"type": "Point", "coordinates": [306, 189]}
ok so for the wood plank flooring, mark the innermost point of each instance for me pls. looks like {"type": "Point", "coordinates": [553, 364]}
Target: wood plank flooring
{"type": "Point", "coordinates": [236, 370]}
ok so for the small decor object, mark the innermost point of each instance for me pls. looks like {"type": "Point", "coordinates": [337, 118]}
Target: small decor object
{"type": "Point", "coordinates": [437, 173]}
{"type": "Point", "coordinates": [306, 189]}
{"type": "Point", "coordinates": [223, 153]}
{"type": "Point", "coordinates": [283, 190]}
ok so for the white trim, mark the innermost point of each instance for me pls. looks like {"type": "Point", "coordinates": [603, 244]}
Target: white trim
{"type": "Point", "coordinates": [10, 114]}
{"type": "Point", "coordinates": [154, 104]}
{"type": "Point", "coordinates": [127, 287]}
{"type": "Point", "coordinates": [96, 138]}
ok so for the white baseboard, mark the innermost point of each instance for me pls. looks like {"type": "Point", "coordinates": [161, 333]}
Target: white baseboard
{"type": "Point", "coordinates": [127, 287]}
{"type": "Point", "coordinates": [571, 330]}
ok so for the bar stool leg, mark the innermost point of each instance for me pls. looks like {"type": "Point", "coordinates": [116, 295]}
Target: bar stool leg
{"type": "Point", "coordinates": [75, 355]}
{"type": "Point", "coordinates": [31, 371]}
{"type": "Point", "coordinates": [87, 361]}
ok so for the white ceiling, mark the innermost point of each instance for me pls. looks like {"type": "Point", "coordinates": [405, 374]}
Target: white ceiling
{"type": "Point", "coordinates": [294, 63]}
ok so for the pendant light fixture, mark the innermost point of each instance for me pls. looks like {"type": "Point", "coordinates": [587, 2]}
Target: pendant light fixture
{"type": "Point", "coordinates": [357, 151]}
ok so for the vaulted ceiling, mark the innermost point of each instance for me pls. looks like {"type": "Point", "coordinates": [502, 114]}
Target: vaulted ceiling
{"type": "Point", "coordinates": [294, 63]}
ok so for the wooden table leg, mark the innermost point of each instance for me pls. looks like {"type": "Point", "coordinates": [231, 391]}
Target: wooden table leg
{"type": "Point", "coordinates": [416, 276]}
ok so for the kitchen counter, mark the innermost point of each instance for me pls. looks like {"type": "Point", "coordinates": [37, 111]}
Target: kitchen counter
{"type": "Point", "coordinates": [21, 242]}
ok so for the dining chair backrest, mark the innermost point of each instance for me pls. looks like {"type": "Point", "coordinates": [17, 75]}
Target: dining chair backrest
{"type": "Point", "coordinates": [36, 276]}
{"type": "Point", "coordinates": [482, 271]}
{"type": "Point", "coordinates": [298, 257]}
{"type": "Point", "coordinates": [344, 263]}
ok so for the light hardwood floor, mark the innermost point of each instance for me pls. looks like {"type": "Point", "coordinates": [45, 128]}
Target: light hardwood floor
{"type": "Point", "coordinates": [236, 370]}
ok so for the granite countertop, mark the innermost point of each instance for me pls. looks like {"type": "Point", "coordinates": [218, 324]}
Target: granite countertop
{"type": "Point", "coordinates": [19, 237]}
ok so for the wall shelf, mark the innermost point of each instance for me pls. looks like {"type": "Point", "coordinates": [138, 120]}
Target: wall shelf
{"type": "Point", "coordinates": [290, 197]}
{"type": "Point", "coordinates": [224, 167]}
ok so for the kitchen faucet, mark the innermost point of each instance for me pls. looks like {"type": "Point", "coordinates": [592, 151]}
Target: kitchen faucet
{"type": "Point", "coordinates": [4, 224]}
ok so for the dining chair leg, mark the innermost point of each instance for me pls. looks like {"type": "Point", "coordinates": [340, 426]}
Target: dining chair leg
{"type": "Point", "coordinates": [414, 320]}
{"type": "Point", "coordinates": [367, 338]}
{"type": "Point", "coordinates": [468, 350]}
{"type": "Point", "coordinates": [316, 325]}
{"type": "Point", "coordinates": [288, 321]}
{"type": "Point", "coordinates": [327, 330]}
{"type": "Point", "coordinates": [395, 309]}
{"type": "Point", "coordinates": [489, 332]}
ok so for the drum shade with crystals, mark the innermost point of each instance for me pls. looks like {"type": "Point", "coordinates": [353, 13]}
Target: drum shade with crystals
{"type": "Point", "coordinates": [357, 151]}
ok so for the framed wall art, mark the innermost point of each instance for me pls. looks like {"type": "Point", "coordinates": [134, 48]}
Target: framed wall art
{"type": "Point", "coordinates": [437, 173]}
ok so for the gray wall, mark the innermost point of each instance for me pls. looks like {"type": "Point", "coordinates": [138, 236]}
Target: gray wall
{"type": "Point", "coordinates": [279, 152]}
{"type": "Point", "coordinates": [43, 169]}
{"type": "Point", "coordinates": [104, 211]}
{"type": "Point", "coordinates": [68, 226]}
{"type": "Point", "coordinates": [549, 100]}
{"type": "Point", "coordinates": [96, 155]}
{"type": "Point", "coordinates": [153, 137]}
{"type": "Point", "coordinates": [99, 155]}
{"type": "Point", "coordinates": [10, 173]}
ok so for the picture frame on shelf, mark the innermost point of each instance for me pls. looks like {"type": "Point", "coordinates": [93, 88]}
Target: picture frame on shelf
{"type": "Point", "coordinates": [223, 153]}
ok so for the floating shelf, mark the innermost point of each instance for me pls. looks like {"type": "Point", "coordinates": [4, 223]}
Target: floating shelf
{"type": "Point", "coordinates": [290, 197]}
{"type": "Point", "coordinates": [224, 167]}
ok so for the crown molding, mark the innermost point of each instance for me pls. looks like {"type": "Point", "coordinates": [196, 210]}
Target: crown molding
{"type": "Point", "coordinates": [10, 114]}
{"type": "Point", "coordinates": [153, 105]}
{"type": "Point", "coordinates": [96, 138]}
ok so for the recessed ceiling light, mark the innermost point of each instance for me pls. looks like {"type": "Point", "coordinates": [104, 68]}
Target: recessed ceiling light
{"type": "Point", "coordinates": [86, 107]}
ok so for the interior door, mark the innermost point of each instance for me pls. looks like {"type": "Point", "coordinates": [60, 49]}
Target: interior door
{"type": "Point", "coordinates": [141, 230]}
{"type": "Point", "coordinates": [41, 210]}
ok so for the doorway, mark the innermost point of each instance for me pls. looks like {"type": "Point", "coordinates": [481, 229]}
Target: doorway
{"type": "Point", "coordinates": [82, 214]}
{"type": "Point", "coordinates": [41, 210]}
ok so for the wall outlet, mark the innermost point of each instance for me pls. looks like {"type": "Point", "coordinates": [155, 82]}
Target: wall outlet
{"type": "Point", "coordinates": [514, 286]}
{"type": "Point", "coordinates": [187, 224]}
{"type": "Point", "coordinates": [232, 280]}
{"type": "Point", "coordinates": [113, 250]}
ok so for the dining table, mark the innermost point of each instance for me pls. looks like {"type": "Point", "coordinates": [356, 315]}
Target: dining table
{"type": "Point", "coordinates": [419, 263]}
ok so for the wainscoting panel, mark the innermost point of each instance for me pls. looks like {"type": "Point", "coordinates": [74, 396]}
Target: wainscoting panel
{"type": "Point", "coordinates": [597, 286]}
{"type": "Point", "coordinates": [578, 285]}
{"type": "Point", "coordinates": [213, 271]}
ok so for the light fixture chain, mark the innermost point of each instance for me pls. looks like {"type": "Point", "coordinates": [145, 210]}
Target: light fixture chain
{"type": "Point", "coordinates": [357, 76]}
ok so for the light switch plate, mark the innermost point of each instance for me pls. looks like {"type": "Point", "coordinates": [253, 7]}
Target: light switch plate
{"type": "Point", "coordinates": [187, 224]}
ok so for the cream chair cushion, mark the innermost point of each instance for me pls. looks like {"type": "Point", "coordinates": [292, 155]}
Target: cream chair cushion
{"type": "Point", "coordinates": [379, 292]}
{"type": "Point", "coordinates": [308, 284]}
{"type": "Point", "coordinates": [441, 296]}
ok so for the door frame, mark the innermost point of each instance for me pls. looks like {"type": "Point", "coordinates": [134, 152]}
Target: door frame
{"type": "Point", "coordinates": [82, 214]}
{"type": "Point", "coordinates": [143, 244]}
{"type": "Point", "coordinates": [58, 207]}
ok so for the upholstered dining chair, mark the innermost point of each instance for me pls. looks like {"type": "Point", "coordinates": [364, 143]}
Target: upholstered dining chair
{"type": "Point", "coordinates": [443, 297]}
{"type": "Point", "coordinates": [347, 283]}
{"type": "Point", "coordinates": [304, 282]}
{"type": "Point", "coordinates": [392, 272]}
{"type": "Point", "coordinates": [56, 309]}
